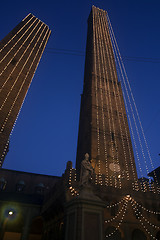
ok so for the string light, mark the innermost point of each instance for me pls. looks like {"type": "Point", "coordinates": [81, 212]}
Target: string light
{"type": "Point", "coordinates": [8, 52]}
{"type": "Point", "coordinates": [96, 95]}
{"type": "Point", "coordinates": [96, 28]}
{"type": "Point", "coordinates": [110, 102]}
{"type": "Point", "coordinates": [9, 113]}
{"type": "Point", "coordinates": [135, 109]}
{"type": "Point", "coordinates": [120, 222]}
{"type": "Point", "coordinates": [45, 42]}
{"type": "Point", "coordinates": [145, 209]}
{"type": "Point", "coordinates": [116, 92]}
{"type": "Point", "coordinates": [16, 34]}
{"type": "Point", "coordinates": [102, 101]}
{"type": "Point", "coordinates": [128, 113]}
{"type": "Point", "coordinates": [137, 214]}
{"type": "Point", "coordinates": [135, 106]}
{"type": "Point", "coordinates": [115, 204]}
{"type": "Point", "coordinates": [72, 178]}
{"type": "Point", "coordinates": [124, 123]}
{"type": "Point", "coordinates": [115, 217]}
{"type": "Point", "coordinates": [20, 57]}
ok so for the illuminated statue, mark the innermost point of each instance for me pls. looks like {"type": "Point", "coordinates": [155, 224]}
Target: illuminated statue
{"type": "Point", "coordinates": [86, 171]}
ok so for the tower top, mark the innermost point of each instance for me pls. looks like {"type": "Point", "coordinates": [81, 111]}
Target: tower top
{"type": "Point", "coordinates": [98, 9]}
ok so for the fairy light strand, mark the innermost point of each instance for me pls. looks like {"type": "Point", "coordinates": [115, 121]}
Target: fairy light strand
{"type": "Point", "coordinates": [145, 228]}
{"type": "Point", "coordinates": [45, 40]}
{"type": "Point", "coordinates": [96, 95]}
{"type": "Point", "coordinates": [118, 214]}
{"type": "Point", "coordinates": [99, 50]}
{"type": "Point", "coordinates": [120, 222]}
{"type": "Point", "coordinates": [152, 165]}
{"type": "Point", "coordinates": [136, 113]}
{"type": "Point", "coordinates": [110, 109]}
{"type": "Point", "coordinates": [19, 58]}
{"type": "Point", "coordinates": [16, 34]}
{"type": "Point", "coordinates": [117, 58]}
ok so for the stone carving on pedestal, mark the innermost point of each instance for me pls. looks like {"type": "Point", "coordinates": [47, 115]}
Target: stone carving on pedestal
{"type": "Point", "coordinates": [86, 171]}
{"type": "Point", "coordinates": [84, 214]}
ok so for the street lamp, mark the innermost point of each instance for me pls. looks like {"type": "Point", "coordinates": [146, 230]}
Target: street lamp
{"type": "Point", "coordinates": [9, 215]}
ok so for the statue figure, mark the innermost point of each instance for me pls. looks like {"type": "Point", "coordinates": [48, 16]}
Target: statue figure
{"type": "Point", "coordinates": [86, 171]}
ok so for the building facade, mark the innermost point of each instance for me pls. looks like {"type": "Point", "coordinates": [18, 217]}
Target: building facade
{"type": "Point", "coordinates": [20, 53]}
{"type": "Point", "coordinates": [22, 196]}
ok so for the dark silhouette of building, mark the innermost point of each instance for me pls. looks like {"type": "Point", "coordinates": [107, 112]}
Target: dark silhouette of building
{"type": "Point", "coordinates": [20, 53]}
{"type": "Point", "coordinates": [156, 173]}
{"type": "Point", "coordinates": [22, 194]}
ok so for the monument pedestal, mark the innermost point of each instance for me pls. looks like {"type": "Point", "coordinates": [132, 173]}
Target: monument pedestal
{"type": "Point", "coordinates": [84, 217]}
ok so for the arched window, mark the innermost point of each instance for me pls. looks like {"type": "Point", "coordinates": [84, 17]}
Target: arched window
{"type": "Point", "coordinates": [137, 234]}
{"type": "Point", "coordinates": [39, 188]}
{"type": "Point", "coordinates": [20, 186]}
{"type": "Point", "coordinates": [158, 235]}
{"type": "Point", "coordinates": [3, 183]}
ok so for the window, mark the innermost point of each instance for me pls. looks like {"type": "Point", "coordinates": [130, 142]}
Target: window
{"type": "Point", "coordinates": [39, 188]}
{"type": "Point", "coordinates": [112, 136]}
{"type": "Point", "coordinates": [138, 235]}
{"type": "Point", "coordinates": [20, 186]}
{"type": "Point", "coordinates": [3, 183]}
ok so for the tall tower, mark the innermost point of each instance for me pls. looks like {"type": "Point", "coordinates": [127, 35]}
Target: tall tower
{"type": "Point", "coordinates": [20, 53]}
{"type": "Point", "coordinates": [103, 126]}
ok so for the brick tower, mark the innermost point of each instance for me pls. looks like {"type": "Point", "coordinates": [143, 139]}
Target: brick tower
{"type": "Point", "coordinates": [103, 127]}
{"type": "Point", "coordinates": [20, 53]}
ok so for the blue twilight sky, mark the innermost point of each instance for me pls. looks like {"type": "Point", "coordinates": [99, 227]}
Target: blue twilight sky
{"type": "Point", "coordinates": [45, 136]}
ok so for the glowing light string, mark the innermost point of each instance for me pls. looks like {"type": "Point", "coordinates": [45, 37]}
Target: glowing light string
{"type": "Point", "coordinates": [115, 204]}
{"type": "Point", "coordinates": [145, 209]}
{"type": "Point", "coordinates": [109, 122]}
{"type": "Point", "coordinates": [111, 64]}
{"type": "Point", "coordinates": [151, 162]}
{"type": "Point", "coordinates": [134, 103]}
{"type": "Point", "coordinates": [19, 58]}
{"type": "Point", "coordinates": [73, 191]}
{"type": "Point", "coordinates": [45, 42]}
{"type": "Point", "coordinates": [120, 222]}
{"type": "Point", "coordinates": [137, 214]}
{"type": "Point", "coordinates": [102, 101]}
{"type": "Point", "coordinates": [21, 68]}
{"type": "Point", "coordinates": [129, 147]}
{"type": "Point", "coordinates": [6, 119]}
{"type": "Point", "coordinates": [96, 90]}
{"type": "Point", "coordinates": [116, 90]}
{"type": "Point", "coordinates": [115, 217]}
{"type": "Point", "coordinates": [131, 111]}
{"type": "Point", "coordinates": [8, 52]}
{"type": "Point", "coordinates": [107, 59]}
{"type": "Point", "coordinates": [15, 34]}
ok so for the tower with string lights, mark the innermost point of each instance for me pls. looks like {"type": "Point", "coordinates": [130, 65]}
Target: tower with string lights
{"type": "Point", "coordinates": [103, 125]}
{"type": "Point", "coordinates": [111, 132]}
{"type": "Point", "coordinates": [20, 53]}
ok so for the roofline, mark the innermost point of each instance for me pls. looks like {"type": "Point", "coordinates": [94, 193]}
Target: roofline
{"type": "Point", "coordinates": [16, 171]}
